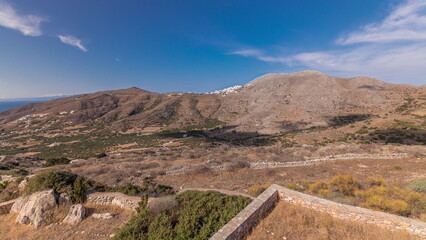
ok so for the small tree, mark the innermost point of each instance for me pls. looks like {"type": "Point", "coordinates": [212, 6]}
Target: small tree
{"type": "Point", "coordinates": [80, 189]}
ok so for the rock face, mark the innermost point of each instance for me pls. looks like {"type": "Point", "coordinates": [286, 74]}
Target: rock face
{"type": "Point", "coordinates": [76, 214]}
{"type": "Point", "coordinates": [32, 209]}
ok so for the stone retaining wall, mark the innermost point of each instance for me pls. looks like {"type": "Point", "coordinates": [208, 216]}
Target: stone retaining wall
{"type": "Point", "coordinates": [243, 223]}
{"type": "Point", "coordinates": [308, 162]}
{"type": "Point", "coordinates": [6, 206]}
{"type": "Point", "coordinates": [118, 199]}
{"type": "Point", "coordinates": [348, 156]}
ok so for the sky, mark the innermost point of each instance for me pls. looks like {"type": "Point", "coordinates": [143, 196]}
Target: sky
{"type": "Point", "coordinates": [57, 47]}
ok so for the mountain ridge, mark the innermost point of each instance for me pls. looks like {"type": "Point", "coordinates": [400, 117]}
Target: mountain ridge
{"type": "Point", "coordinates": [271, 103]}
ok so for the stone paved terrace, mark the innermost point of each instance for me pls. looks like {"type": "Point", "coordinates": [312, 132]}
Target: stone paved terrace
{"type": "Point", "coordinates": [248, 218]}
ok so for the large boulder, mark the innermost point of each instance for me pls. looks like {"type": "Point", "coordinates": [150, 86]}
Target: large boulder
{"type": "Point", "coordinates": [32, 209]}
{"type": "Point", "coordinates": [75, 215]}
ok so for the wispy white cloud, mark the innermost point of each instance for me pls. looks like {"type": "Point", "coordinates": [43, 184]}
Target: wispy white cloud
{"type": "Point", "coordinates": [407, 22]}
{"type": "Point", "coordinates": [29, 25]}
{"type": "Point", "coordinates": [404, 63]}
{"type": "Point", "coordinates": [73, 41]}
{"type": "Point", "coordinates": [247, 52]}
{"type": "Point", "coordinates": [53, 95]}
{"type": "Point", "coordinates": [393, 50]}
{"type": "Point", "coordinates": [259, 55]}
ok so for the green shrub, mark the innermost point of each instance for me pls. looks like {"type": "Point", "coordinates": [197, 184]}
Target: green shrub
{"type": "Point", "coordinates": [56, 161]}
{"type": "Point", "coordinates": [21, 172]}
{"type": "Point", "coordinates": [398, 167]}
{"type": "Point", "coordinates": [4, 184]}
{"type": "Point", "coordinates": [418, 186]}
{"type": "Point", "coordinates": [80, 188]}
{"type": "Point", "coordinates": [60, 182]}
{"type": "Point", "coordinates": [149, 187]}
{"type": "Point", "coordinates": [101, 155]}
{"type": "Point", "coordinates": [137, 227]}
{"type": "Point", "coordinates": [198, 216]}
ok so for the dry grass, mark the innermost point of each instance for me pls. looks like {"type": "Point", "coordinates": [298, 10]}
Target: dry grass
{"type": "Point", "coordinates": [288, 221]}
{"type": "Point", "coordinates": [88, 229]}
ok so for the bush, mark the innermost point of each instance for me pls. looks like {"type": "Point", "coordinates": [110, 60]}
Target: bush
{"type": "Point", "coordinates": [56, 161]}
{"type": "Point", "coordinates": [418, 186]}
{"type": "Point", "coordinates": [377, 195]}
{"type": "Point", "coordinates": [375, 181]}
{"type": "Point", "coordinates": [198, 216]}
{"type": "Point", "coordinates": [60, 182]}
{"type": "Point", "coordinates": [398, 167]}
{"type": "Point", "coordinates": [292, 186]}
{"type": "Point", "coordinates": [345, 184]}
{"type": "Point", "coordinates": [21, 172]}
{"type": "Point", "coordinates": [317, 186]}
{"type": "Point", "coordinates": [101, 155]}
{"type": "Point", "coordinates": [4, 184]}
{"type": "Point", "coordinates": [150, 188]}
{"type": "Point", "coordinates": [80, 188]}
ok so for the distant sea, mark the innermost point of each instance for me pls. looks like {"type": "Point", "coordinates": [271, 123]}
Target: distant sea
{"type": "Point", "coordinates": [6, 105]}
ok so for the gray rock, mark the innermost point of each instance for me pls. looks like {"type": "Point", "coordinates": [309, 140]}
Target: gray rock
{"type": "Point", "coordinates": [64, 198]}
{"type": "Point", "coordinates": [76, 214]}
{"type": "Point", "coordinates": [22, 185]}
{"type": "Point", "coordinates": [102, 215]}
{"type": "Point", "coordinates": [32, 209]}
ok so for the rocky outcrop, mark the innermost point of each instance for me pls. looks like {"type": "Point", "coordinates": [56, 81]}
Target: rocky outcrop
{"type": "Point", "coordinates": [32, 209]}
{"type": "Point", "coordinates": [76, 214]}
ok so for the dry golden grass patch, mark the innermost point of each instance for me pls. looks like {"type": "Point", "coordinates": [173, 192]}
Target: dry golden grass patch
{"type": "Point", "coordinates": [288, 221]}
{"type": "Point", "coordinates": [88, 229]}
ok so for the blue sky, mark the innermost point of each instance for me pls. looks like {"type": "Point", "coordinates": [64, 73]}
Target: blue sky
{"type": "Point", "coordinates": [51, 47]}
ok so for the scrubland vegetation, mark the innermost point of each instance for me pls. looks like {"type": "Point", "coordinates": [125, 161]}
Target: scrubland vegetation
{"type": "Point", "coordinates": [374, 194]}
{"type": "Point", "coordinates": [60, 182]}
{"type": "Point", "coordinates": [198, 215]}
{"type": "Point", "coordinates": [76, 186]}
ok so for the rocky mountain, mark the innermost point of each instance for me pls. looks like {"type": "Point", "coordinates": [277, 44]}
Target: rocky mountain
{"type": "Point", "coordinates": [277, 102]}
{"type": "Point", "coordinates": [269, 104]}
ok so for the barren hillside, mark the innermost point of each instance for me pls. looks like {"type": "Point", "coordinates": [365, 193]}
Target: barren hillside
{"type": "Point", "coordinates": [269, 104]}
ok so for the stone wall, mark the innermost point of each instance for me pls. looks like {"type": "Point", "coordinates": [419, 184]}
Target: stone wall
{"type": "Point", "coordinates": [6, 206]}
{"type": "Point", "coordinates": [342, 211]}
{"type": "Point", "coordinates": [114, 198]}
{"type": "Point", "coordinates": [243, 223]}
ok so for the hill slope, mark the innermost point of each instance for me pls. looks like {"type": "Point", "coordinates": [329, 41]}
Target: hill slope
{"type": "Point", "coordinates": [269, 104]}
